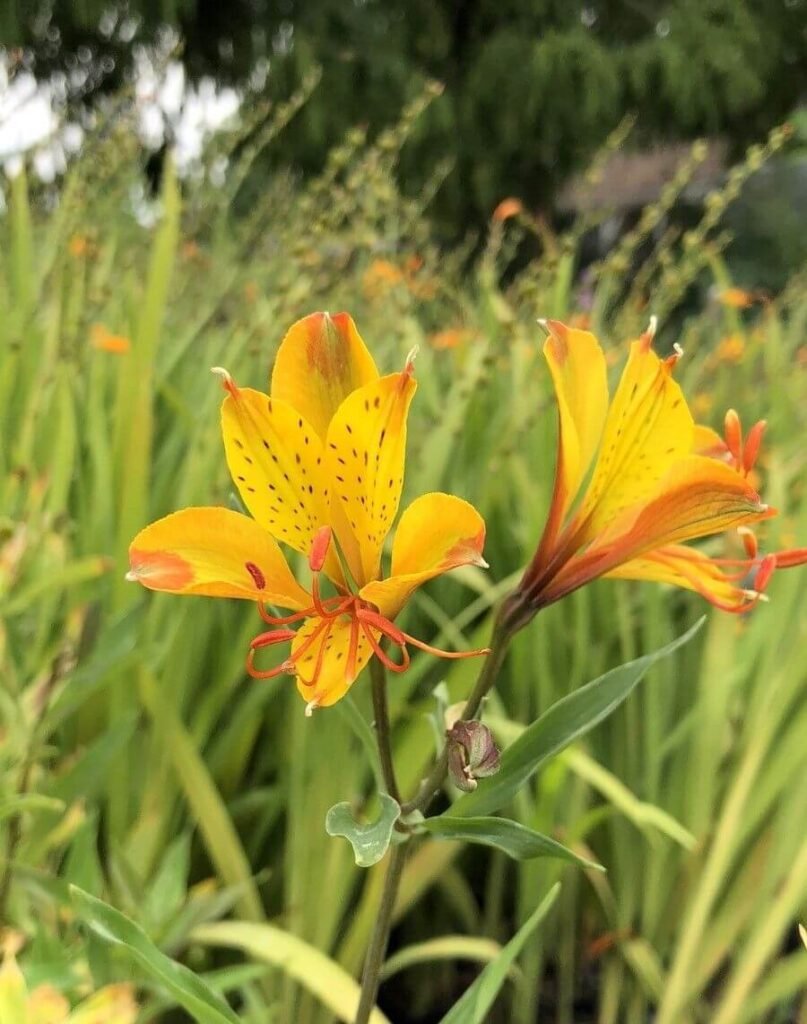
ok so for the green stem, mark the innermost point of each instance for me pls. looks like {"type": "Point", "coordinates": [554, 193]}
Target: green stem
{"type": "Point", "coordinates": [378, 679]}
{"type": "Point", "coordinates": [383, 923]}
{"type": "Point", "coordinates": [512, 614]}
{"type": "Point", "coordinates": [508, 620]}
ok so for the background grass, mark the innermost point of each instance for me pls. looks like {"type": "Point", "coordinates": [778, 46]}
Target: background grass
{"type": "Point", "coordinates": [139, 763]}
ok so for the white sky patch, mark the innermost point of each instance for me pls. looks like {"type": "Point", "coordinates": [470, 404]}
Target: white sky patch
{"type": "Point", "coordinates": [168, 110]}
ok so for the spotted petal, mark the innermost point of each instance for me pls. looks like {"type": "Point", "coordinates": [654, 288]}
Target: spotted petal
{"type": "Point", "coordinates": [648, 429]}
{"type": "Point", "coordinates": [437, 533]}
{"type": "Point", "coordinates": [698, 497]}
{"type": "Point", "coordinates": [276, 461]}
{"type": "Point", "coordinates": [321, 360]}
{"type": "Point", "coordinates": [577, 365]}
{"type": "Point", "coordinates": [217, 553]}
{"type": "Point", "coordinates": [335, 654]}
{"type": "Point", "coordinates": [365, 458]}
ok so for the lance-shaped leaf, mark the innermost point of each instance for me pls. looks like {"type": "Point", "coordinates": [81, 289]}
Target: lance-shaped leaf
{"type": "Point", "coordinates": [564, 722]}
{"type": "Point", "coordinates": [201, 1002]}
{"type": "Point", "coordinates": [510, 837]}
{"type": "Point", "coordinates": [474, 1005]}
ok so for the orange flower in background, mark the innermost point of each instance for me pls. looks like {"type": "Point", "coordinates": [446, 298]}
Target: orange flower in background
{"type": "Point", "coordinates": [105, 341]}
{"type": "Point", "coordinates": [730, 349]}
{"type": "Point", "coordinates": [580, 320]}
{"type": "Point", "coordinates": [452, 337]}
{"type": "Point", "coordinates": [507, 209]}
{"type": "Point", "coordinates": [380, 276]}
{"type": "Point", "coordinates": [656, 481]}
{"type": "Point", "coordinates": [739, 298]}
{"type": "Point", "coordinates": [78, 246]}
{"type": "Point", "coordinates": [319, 464]}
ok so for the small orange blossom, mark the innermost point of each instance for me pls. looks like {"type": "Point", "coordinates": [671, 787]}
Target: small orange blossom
{"type": "Point", "coordinates": [105, 341]}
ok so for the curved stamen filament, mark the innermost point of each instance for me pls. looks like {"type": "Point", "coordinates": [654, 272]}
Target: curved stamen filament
{"type": "Point", "coordinates": [400, 639]}
{"type": "Point", "coordinates": [288, 666]}
{"type": "Point", "coordinates": [366, 622]}
{"type": "Point", "coordinates": [325, 628]}
{"type": "Point", "coordinates": [750, 597]}
{"type": "Point", "coordinates": [330, 607]}
{"type": "Point", "coordinates": [381, 654]}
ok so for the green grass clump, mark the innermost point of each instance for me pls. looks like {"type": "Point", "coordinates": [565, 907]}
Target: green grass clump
{"type": "Point", "coordinates": [140, 764]}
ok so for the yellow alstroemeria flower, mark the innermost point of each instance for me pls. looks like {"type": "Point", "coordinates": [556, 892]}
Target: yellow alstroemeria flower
{"type": "Point", "coordinates": [655, 481]}
{"type": "Point", "coordinates": [321, 458]}
{"type": "Point", "coordinates": [112, 1004]}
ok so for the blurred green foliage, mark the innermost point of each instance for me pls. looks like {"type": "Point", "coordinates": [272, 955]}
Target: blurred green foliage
{"type": "Point", "coordinates": [532, 87]}
{"type": "Point", "coordinates": [138, 763]}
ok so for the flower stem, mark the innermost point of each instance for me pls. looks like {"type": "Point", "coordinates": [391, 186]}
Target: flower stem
{"type": "Point", "coordinates": [378, 679]}
{"type": "Point", "coordinates": [508, 620]}
{"type": "Point", "coordinates": [383, 923]}
{"type": "Point", "coordinates": [510, 617]}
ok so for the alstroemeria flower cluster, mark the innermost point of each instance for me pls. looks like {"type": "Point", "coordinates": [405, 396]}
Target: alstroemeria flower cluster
{"type": "Point", "coordinates": [319, 464]}
{"type": "Point", "coordinates": [636, 478]}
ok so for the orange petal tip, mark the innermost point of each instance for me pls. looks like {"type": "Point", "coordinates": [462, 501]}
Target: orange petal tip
{"type": "Point", "coordinates": [159, 570]}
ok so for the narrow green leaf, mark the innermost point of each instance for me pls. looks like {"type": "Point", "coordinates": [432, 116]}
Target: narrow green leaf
{"type": "Point", "coordinates": [323, 978]}
{"type": "Point", "coordinates": [371, 841]}
{"type": "Point", "coordinates": [29, 802]}
{"type": "Point", "coordinates": [447, 947]}
{"type": "Point", "coordinates": [204, 800]}
{"type": "Point", "coordinates": [517, 841]}
{"type": "Point", "coordinates": [567, 719]}
{"type": "Point", "coordinates": [474, 1005]}
{"type": "Point", "coordinates": [201, 1002]}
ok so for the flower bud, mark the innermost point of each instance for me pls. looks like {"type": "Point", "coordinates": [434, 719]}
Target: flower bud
{"type": "Point", "coordinates": [472, 754]}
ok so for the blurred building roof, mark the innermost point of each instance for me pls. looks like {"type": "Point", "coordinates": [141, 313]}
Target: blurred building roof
{"type": "Point", "coordinates": [636, 179]}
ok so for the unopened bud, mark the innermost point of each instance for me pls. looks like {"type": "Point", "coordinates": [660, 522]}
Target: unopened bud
{"type": "Point", "coordinates": [472, 754]}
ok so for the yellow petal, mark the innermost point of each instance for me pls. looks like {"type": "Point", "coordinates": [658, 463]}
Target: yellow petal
{"type": "Point", "coordinates": [648, 429]}
{"type": "Point", "coordinates": [215, 552]}
{"type": "Point", "coordinates": [577, 365]}
{"type": "Point", "coordinates": [46, 1005]}
{"type": "Point", "coordinates": [365, 458]}
{"type": "Point", "coordinates": [706, 441]}
{"type": "Point", "coordinates": [323, 675]}
{"type": "Point", "coordinates": [13, 992]}
{"type": "Point", "coordinates": [685, 567]}
{"type": "Point", "coordinates": [437, 533]}
{"type": "Point", "coordinates": [319, 363]}
{"type": "Point", "coordinates": [276, 461]}
{"type": "Point", "coordinates": [699, 496]}
{"type": "Point", "coordinates": [113, 1004]}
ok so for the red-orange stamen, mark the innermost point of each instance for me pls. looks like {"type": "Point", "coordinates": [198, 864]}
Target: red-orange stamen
{"type": "Point", "coordinates": [381, 654]}
{"type": "Point", "coordinates": [319, 549]}
{"type": "Point", "coordinates": [791, 558]}
{"type": "Point", "coordinates": [734, 435]}
{"type": "Point", "coordinates": [325, 629]}
{"type": "Point", "coordinates": [752, 445]}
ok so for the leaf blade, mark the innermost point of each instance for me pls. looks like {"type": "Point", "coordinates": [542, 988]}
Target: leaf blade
{"type": "Point", "coordinates": [512, 838]}
{"type": "Point", "coordinates": [564, 722]}
{"type": "Point", "coordinates": [201, 1002]}
{"type": "Point", "coordinates": [473, 1006]}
